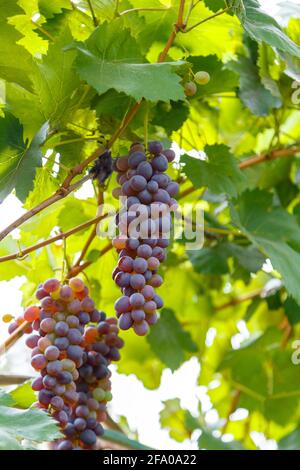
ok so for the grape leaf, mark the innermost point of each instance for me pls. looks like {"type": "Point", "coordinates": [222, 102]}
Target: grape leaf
{"type": "Point", "coordinates": [33, 425]}
{"type": "Point", "coordinates": [111, 58]}
{"type": "Point", "coordinates": [220, 173]}
{"type": "Point", "coordinates": [210, 260]}
{"type": "Point", "coordinates": [253, 94]}
{"type": "Point", "coordinates": [209, 442]}
{"type": "Point", "coordinates": [24, 23]}
{"type": "Point", "coordinates": [292, 311]}
{"type": "Point", "coordinates": [170, 341]}
{"type": "Point", "coordinates": [262, 27]}
{"type": "Point", "coordinates": [274, 231]}
{"type": "Point", "coordinates": [50, 9]}
{"type": "Point", "coordinates": [178, 421]}
{"type": "Point", "coordinates": [23, 395]}
{"type": "Point", "coordinates": [55, 81]}
{"type": "Point", "coordinates": [16, 63]}
{"type": "Point", "coordinates": [291, 441]}
{"type": "Point", "coordinates": [18, 161]}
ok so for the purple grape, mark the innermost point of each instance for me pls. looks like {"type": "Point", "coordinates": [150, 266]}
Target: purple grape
{"type": "Point", "coordinates": [45, 397]}
{"type": "Point", "coordinates": [138, 315]}
{"type": "Point", "coordinates": [122, 305]}
{"type": "Point", "coordinates": [84, 318]}
{"type": "Point", "coordinates": [74, 352]}
{"type": "Point", "coordinates": [88, 437]}
{"type": "Point", "coordinates": [57, 403]}
{"type": "Point", "coordinates": [37, 384]}
{"type": "Point", "coordinates": [138, 183]}
{"type": "Point", "coordinates": [137, 281]}
{"type": "Point", "coordinates": [61, 343]}
{"type": "Point", "coordinates": [80, 424]}
{"type": "Point", "coordinates": [122, 279]}
{"type": "Point", "coordinates": [126, 264]}
{"type": "Point", "coordinates": [169, 154]}
{"type": "Point", "coordinates": [65, 445]}
{"type": "Point", "coordinates": [152, 186]}
{"type": "Point", "coordinates": [160, 163]}
{"type": "Point", "coordinates": [125, 321]}
{"type": "Point", "coordinates": [51, 353]}
{"type": "Point", "coordinates": [32, 341]}
{"type": "Point", "coordinates": [162, 196]}
{"type": "Point", "coordinates": [155, 147]}
{"type": "Point", "coordinates": [38, 362]}
{"type": "Point", "coordinates": [135, 159]}
{"type": "Point", "coordinates": [61, 328]}
{"type": "Point", "coordinates": [173, 188]}
{"type": "Point", "coordinates": [145, 197]}
{"type": "Point", "coordinates": [145, 169]}
{"type": "Point", "coordinates": [161, 179]}
{"type": "Point", "coordinates": [141, 329]}
{"type": "Point", "coordinates": [137, 300]}
{"type": "Point", "coordinates": [72, 321]}
{"type": "Point", "coordinates": [144, 251]}
{"type": "Point", "coordinates": [74, 336]}
{"type": "Point", "coordinates": [140, 265]}
{"type": "Point", "coordinates": [54, 368]}
{"type": "Point", "coordinates": [159, 301]}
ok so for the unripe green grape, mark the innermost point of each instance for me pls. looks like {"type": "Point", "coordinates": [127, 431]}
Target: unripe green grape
{"type": "Point", "coordinates": [190, 89]}
{"type": "Point", "coordinates": [202, 77]}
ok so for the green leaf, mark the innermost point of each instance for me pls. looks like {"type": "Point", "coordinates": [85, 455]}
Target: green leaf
{"type": "Point", "coordinates": [170, 341]}
{"type": "Point", "coordinates": [253, 94]}
{"type": "Point", "coordinates": [291, 441]}
{"type": "Point", "coordinates": [274, 231]}
{"type": "Point", "coordinates": [18, 162]}
{"type": "Point", "coordinates": [262, 27]}
{"type": "Point", "coordinates": [212, 260]}
{"type": "Point", "coordinates": [32, 424]}
{"type": "Point", "coordinates": [111, 58]}
{"type": "Point", "coordinates": [178, 421]}
{"type": "Point", "coordinates": [5, 399]}
{"type": "Point", "coordinates": [214, 5]}
{"type": "Point", "coordinates": [23, 395]}
{"type": "Point", "coordinates": [292, 311]}
{"type": "Point", "coordinates": [16, 63]}
{"type": "Point", "coordinates": [56, 81]}
{"type": "Point", "coordinates": [209, 442]}
{"type": "Point", "coordinates": [71, 215]}
{"type": "Point", "coordinates": [220, 173]}
{"type": "Point", "coordinates": [50, 9]}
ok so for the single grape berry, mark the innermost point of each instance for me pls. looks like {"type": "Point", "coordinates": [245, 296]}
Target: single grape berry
{"type": "Point", "coordinates": [190, 89]}
{"type": "Point", "coordinates": [202, 77]}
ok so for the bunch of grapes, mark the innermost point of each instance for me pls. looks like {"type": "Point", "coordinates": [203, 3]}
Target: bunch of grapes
{"type": "Point", "coordinates": [72, 347]}
{"type": "Point", "coordinates": [147, 194]}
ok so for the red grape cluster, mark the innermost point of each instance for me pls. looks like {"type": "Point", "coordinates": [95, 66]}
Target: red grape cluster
{"type": "Point", "coordinates": [144, 224]}
{"type": "Point", "coordinates": [72, 348]}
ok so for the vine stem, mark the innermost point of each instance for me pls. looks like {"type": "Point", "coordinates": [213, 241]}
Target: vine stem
{"type": "Point", "coordinates": [177, 27]}
{"type": "Point", "coordinates": [131, 10]}
{"type": "Point", "coordinates": [187, 30]}
{"type": "Point", "coordinates": [233, 406]}
{"type": "Point", "coordinates": [94, 17]}
{"type": "Point", "coordinates": [100, 200]}
{"type": "Point", "coordinates": [239, 300]}
{"type": "Point", "coordinates": [60, 236]}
